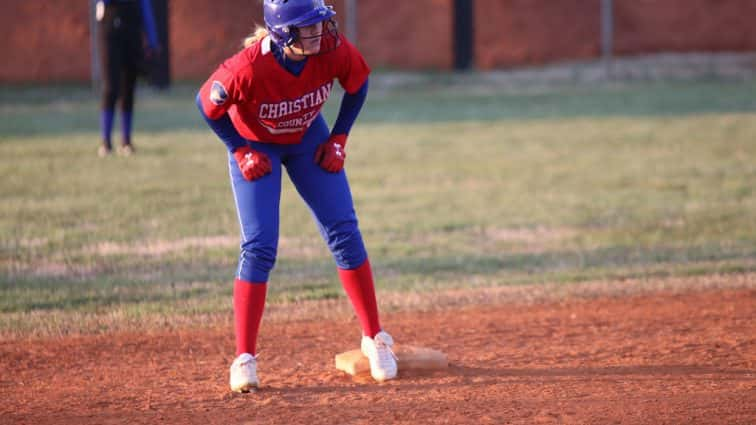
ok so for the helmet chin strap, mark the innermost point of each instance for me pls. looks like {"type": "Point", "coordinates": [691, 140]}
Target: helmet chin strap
{"type": "Point", "coordinates": [292, 53]}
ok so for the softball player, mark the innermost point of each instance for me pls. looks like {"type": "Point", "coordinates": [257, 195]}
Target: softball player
{"type": "Point", "coordinates": [264, 103]}
{"type": "Point", "coordinates": [120, 27]}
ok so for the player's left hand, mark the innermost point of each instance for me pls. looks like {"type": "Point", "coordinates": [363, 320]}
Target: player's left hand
{"type": "Point", "coordinates": [330, 155]}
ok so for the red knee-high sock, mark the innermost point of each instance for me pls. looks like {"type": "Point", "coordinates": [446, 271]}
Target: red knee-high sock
{"type": "Point", "coordinates": [249, 303]}
{"type": "Point", "coordinates": [358, 284]}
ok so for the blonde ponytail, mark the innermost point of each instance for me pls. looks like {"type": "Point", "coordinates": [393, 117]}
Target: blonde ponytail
{"type": "Point", "coordinates": [256, 36]}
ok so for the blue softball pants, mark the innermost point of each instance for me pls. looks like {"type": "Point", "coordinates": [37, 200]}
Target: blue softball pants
{"type": "Point", "coordinates": [327, 195]}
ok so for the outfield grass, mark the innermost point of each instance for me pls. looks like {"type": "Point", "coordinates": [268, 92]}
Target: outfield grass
{"type": "Point", "coordinates": [454, 190]}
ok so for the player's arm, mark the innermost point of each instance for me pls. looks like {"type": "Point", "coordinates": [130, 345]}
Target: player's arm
{"type": "Point", "coordinates": [352, 74]}
{"type": "Point", "coordinates": [351, 105]}
{"type": "Point", "coordinates": [213, 101]}
{"type": "Point", "coordinates": [331, 155]}
{"type": "Point", "coordinates": [148, 20]}
{"type": "Point", "coordinates": [222, 127]}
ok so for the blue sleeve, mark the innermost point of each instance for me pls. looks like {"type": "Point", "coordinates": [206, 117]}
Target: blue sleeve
{"type": "Point", "coordinates": [351, 104]}
{"type": "Point", "coordinates": [148, 19]}
{"type": "Point", "coordinates": [224, 128]}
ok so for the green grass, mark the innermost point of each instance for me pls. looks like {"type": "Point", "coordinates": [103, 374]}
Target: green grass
{"type": "Point", "coordinates": [558, 184]}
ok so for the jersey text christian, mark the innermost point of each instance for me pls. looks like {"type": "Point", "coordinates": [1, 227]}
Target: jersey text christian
{"type": "Point", "coordinates": [293, 115]}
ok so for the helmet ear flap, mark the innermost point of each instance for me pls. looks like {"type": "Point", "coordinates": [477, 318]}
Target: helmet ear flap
{"type": "Point", "coordinates": [285, 36]}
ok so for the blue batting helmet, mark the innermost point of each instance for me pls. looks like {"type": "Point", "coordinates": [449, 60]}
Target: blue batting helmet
{"type": "Point", "coordinates": [282, 17]}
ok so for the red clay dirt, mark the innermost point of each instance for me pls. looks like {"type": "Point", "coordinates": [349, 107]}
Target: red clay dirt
{"type": "Point", "coordinates": [653, 359]}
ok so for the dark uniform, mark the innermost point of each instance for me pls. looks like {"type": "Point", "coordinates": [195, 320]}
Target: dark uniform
{"type": "Point", "coordinates": [121, 24]}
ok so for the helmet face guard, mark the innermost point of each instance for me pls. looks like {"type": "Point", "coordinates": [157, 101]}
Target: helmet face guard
{"type": "Point", "coordinates": [283, 18]}
{"type": "Point", "coordinates": [329, 39]}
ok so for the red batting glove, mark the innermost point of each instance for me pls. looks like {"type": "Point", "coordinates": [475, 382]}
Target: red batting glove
{"type": "Point", "coordinates": [330, 155]}
{"type": "Point", "coordinates": [253, 164]}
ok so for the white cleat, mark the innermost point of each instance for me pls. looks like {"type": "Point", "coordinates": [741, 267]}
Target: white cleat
{"type": "Point", "coordinates": [104, 151]}
{"type": "Point", "coordinates": [244, 374]}
{"type": "Point", "coordinates": [382, 359]}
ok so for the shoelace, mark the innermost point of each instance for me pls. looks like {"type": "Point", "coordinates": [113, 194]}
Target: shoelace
{"type": "Point", "coordinates": [248, 363]}
{"type": "Point", "coordinates": [381, 347]}
{"type": "Point", "coordinates": [247, 369]}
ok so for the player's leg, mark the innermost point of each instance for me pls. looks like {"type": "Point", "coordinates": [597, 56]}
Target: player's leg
{"type": "Point", "coordinates": [257, 206]}
{"type": "Point", "coordinates": [132, 57]}
{"type": "Point", "coordinates": [330, 200]}
{"type": "Point", "coordinates": [110, 73]}
{"type": "Point", "coordinates": [127, 109]}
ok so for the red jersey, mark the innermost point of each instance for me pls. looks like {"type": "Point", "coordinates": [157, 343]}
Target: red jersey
{"type": "Point", "coordinates": [266, 103]}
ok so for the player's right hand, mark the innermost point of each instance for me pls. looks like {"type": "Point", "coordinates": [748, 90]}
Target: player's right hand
{"type": "Point", "coordinates": [330, 155]}
{"type": "Point", "coordinates": [253, 164]}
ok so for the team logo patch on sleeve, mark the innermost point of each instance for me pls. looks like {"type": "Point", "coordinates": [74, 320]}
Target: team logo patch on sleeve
{"type": "Point", "coordinates": [218, 94]}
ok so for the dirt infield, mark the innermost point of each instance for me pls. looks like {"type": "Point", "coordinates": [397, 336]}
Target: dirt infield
{"type": "Point", "coordinates": [650, 358]}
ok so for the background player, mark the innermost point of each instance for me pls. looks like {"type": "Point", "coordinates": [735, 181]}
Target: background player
{"type": "Point", "coordinates": [264, 103]}
{"type": "Point", "coordinates": [120, 25]}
